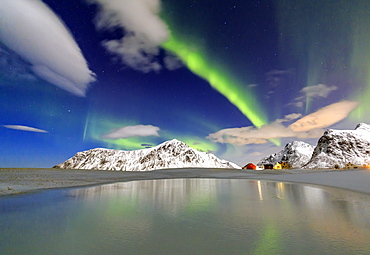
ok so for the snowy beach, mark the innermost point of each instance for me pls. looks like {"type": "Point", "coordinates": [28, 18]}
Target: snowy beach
{"type": "Point", "coordinates": [21, 180]}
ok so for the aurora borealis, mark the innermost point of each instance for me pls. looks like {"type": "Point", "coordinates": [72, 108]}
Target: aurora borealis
{"type": "Point", "coordinates": [196, 63]}
{"type": "Point", "coordinates": [239, 79]}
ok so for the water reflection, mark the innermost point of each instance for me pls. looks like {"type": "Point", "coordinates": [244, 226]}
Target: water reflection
{"type": "Point", "coordinates": [192, 216]}
{"type": "Point", "coordinates": [170, 196]}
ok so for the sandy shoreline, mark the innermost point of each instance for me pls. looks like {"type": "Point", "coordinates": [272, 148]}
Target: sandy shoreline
{"type": "Point", "coordinates": [21, 180]}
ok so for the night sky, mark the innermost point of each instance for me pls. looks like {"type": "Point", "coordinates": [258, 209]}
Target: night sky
{"type": "Point", "coordinates": [239, 79]}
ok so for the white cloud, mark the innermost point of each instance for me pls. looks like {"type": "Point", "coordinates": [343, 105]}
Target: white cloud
{"type": "Point", "coordinates": [25, 128]}
{"type": "Point", "coordinates": [310, 126]}
{"type": "Point", "coordinates": [298, 104]}
{"type": "Point", "coordinates": [320, 90]}
{"type": "Point", "coordinates": [276, 72]}
{"type": "Point", "coordinates": [32, 30]}
{"type": "Point", "coordinates": [251, 135]}
{"type": "Point", "coordinates": [289, 117]}
{"type": "Point", "coordinates": [172, 62]}
{"type": "Point", "coordinates": [324, 117]}
{"type": "Point", "coordinates": [130, 131]}
{"type": "Point", "coordinates": [135, 53]}
{"type": "Point", "coordinates": [243, 155]}
{"type": "Point", "coordinates": [256, 153]}
{"type": "Point", "coordinates": [316, 91]}
{"type": "Point", "coordinates": [144, 31]}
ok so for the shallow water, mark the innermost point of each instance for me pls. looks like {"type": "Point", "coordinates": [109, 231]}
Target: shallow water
{"type": "Point", "coordinates": [187, 216]}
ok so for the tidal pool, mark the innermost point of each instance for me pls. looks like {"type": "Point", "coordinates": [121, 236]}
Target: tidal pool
{"type": "Point", "coordinates": [187, 216]}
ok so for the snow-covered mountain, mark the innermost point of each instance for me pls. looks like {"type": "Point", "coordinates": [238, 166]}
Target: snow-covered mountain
{"type": "Point", "coordinates": [339, 147]}
{"type": "Point", "coordinates": [170, 154]}
{"type": "Point", "coordinates": [296, 153]}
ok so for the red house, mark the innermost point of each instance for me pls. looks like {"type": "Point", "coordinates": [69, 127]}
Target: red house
{"type": "Point", "coordinates": [250, 166]}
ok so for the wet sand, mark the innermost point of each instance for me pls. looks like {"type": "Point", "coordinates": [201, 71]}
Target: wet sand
{"type": "Point", "coordinates": [21, 180]}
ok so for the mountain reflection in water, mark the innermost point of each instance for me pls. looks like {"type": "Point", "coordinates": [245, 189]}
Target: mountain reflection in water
{"type": "Point", "coordinates": [193, 216]}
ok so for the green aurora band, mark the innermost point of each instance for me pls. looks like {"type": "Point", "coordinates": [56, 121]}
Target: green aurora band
{"type": "Point", "coordinates": [97, 125]}
{"type": "Point", "coordinates": [360, 59]}
{"type": "Point", "coordinates": [217, 77]}
{"type": "Point", "coordinates": [330, 41]}
{"type": "Point", "coordinates": [201, 65]}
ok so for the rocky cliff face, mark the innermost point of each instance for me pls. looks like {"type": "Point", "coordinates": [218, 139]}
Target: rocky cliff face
{"type": "Point", "coordinates": [170, 154]}
{"type": "Point", "coordinates": [339, 147]}
{"type": "Point", "coordinates": [296, 153]}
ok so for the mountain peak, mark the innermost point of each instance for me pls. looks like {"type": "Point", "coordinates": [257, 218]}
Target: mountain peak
{"type": "Point", "coordinates": [363, 127]}
{"type": "Point", "coordinates": [173, 142]}
{"type": "Point", "coordinates": [339, 147]}
{"type": "Point", "coordinates": [296, 153]}
{"type": "Point", "coordinates": [334, 148]}
{"type": "Point", "coordinates": [170, 154]}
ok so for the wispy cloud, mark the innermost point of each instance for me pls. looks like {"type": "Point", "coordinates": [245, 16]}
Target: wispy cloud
{"type": "Point", "coordinates": [310, 126]}
{"type": "Point", "coordinates": [253, 135]}
{"type": "Point", "coordinates": [277, 80]}
{"type": "Point", "coordinates": [25, 128]}
{"type": "Point", "coordinates": [275, 77]}
{"type": "Point", "coordinates": [144, 31]}
{"type": "Point", "coordinates": [289, 117]}
{"type": "Point", "coordinates": [172, 62]}
{"type": "Point", "coordinates": [320, 90]}
{"type": "Point", "coordinates": [34, 32]}
{"type": "Point", "coordinates": [131, 131]}
{"type": "Point", "coordinates": [13, 66]}
{"type": "Point", "coordinates": [256, 153]}
{"type": "Point", "coordinates": [324, 117]}
{"type": "Point", "coordinates": [316, 91]}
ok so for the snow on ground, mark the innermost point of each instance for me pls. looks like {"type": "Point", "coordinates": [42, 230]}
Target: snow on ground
{"type": "Point", "coordinates": [15, 181]}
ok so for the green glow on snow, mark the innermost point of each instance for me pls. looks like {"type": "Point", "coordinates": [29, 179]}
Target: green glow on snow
{"type": "Point", "coordinates": [199, 144]}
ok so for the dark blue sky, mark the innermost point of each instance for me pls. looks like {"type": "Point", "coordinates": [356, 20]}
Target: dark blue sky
{"type": "Point", "coordinates": [237, 78]}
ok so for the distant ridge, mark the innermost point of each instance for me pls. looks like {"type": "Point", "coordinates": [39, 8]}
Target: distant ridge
{"type": "Point", "coordinates": [334, 149]}
{"type": "Point", "coordinates": [339, 147]}
{"type": "Point", "coordinates": [296, 153]}
{"type": "Point", "coordinates": [170, 154]}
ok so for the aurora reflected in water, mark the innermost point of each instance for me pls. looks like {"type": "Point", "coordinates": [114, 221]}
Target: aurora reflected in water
{"type": "Point", "coordinates": [187, 216]}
